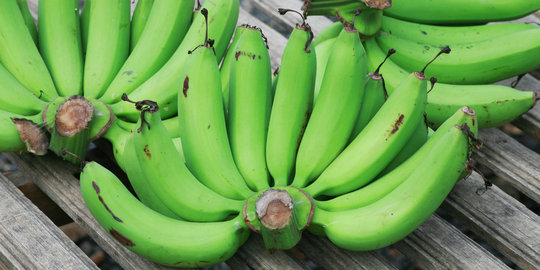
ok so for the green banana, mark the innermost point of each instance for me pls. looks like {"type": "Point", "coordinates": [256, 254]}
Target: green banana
{"type": "Point", "coordinates": [139, 19]}
{"type": "Point", "coordinates": [322, 51]}
{"type": "Point", "coordinates": [202, 125]}
{"type": "Point", "coordinates": [481, 62]}
{"type": "Point", "coordinates": [171, 180]}
{"type": "Point", "coordinates": [378, 143]}
{"type": "Point", "coordinates": [22, 133]}
{"type": "Point", "coordinates": [107, 44]}
{"type": "Point", "coordinates": [15, 97]}
{"type": "Point", "coordinates": [85, 22]}
{"type": "Point", "coordinates": [401, 211]}
{"type": "Point", "coordinates": [292, 104]}
{"type": "Point", "coordinates": [167, 24]}
{"type": "Point", "coordinates": [19, 53]}
{"type": "Point", "coordinates": [451, 12]}
{"type": "Point", "coordinates": [249, 107]}
{"type": "Point", "coordinates": [437, 35]}
{"type": "Point", "coordinates": [60, 44]}
{"type": "Point", "coordinates": [385, 184]}
{"type": "Point", "coordinates": [225, 69]}
{"type": "Point", "coordinates": [329, 32]}
{"type": "Point", "coordinates": [494, 104]}
{"type": "Point", "coordinates": [163, 86]}
{"type": "Point", "coordinates": [28, 19]}
{"type": "Point", "coordinates": [151, 235]}
{"type": "Point", "coordinates": [338, 104]}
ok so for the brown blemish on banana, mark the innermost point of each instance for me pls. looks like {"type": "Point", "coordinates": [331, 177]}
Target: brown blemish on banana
{"type": "Point", "coordinates": [147, 151]}
{"type": "Point", "coordinates": [32, 135]}
{"type": "Point", "coordinates": [398, 123]}
{"type": "Point", "coordinates": [186, 86]}
{"type": "Point", "coordinates": [73, 116]}
{"type": "Point", "coordinates": [248, 54]}
{"type": "Point", "coordinates": [96, 188]}
{"type": "Point", "coordinates": [121, 238]}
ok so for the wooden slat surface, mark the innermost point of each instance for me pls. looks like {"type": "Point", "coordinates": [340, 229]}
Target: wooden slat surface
{"type": "Point", "coordinates": [29, 240]}
{"type": "Point", "coordinates": [501, 220]}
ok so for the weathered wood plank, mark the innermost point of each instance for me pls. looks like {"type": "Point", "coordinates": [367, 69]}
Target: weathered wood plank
{"type": "Point", "coordinates": [501, 220]}
{"type": "Point", "coordinates": [436, 244]}
{"type": "Point", "coordinates": [529, 122]}
{"type": "Point", "coordinates": [325, 254]}
{"type": "Point", "coordinates": [509, 159]}
{"type": "Point", "coordinates": [29, 240]}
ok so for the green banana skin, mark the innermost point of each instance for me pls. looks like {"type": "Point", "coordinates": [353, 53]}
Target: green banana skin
{"type": "Point", "coordinates": [397, 214]}
{"type": "Point", "coordinates": [154, 236]}
{"type": "Point", "coordinates": [378, 143]}
{"type": "Point", "coordinates": [19, 53]}
{"type": "Point", "coordinates": [15, 97]}
{"type": "Point", "coordinates": [389, 181]}
{"type": "Point", "coordinates": [452, 12]}
{"type": "Point", "coordinates": [202, 125]}
{"type": "Point", "coordinates": [329, 32]}
{"type": "Point", "coordinates": [437, 35]}
{"type": "Point", "coordinates": [60, 44]}
{"type": "Point", "coordinates": [167, 24]}
{"type": "Point", "coordinates": [163, 86]}
{"type": "Point", "coordinates": [28, 19]}
{"type": "Point", "coordinates": [292, 105]}
{"type": "Point", "coordinates": [225, 69]}
{"type": "Point", "coordinates": [476, 63]}
{"type": "Point", "coordinates": [107, 44]}
{"type": "Point", "coordinates": [494, 104]}
{"type": "Point", "coordinates": [322, 51]}
{"type": "Point", "coordinates": [139, 19]}
{"type": "Point", "coordinates": [10, 138]}
{"type": "Point", "coordinates": [334, 114]}
{"type": "Point", "coordinates": [250, 97]}
{"type": "Point", "coordinates": [85, 22]}
{"type": "Point", "coordinates": [171, 180]}
{"type": "Point", "coordinates": [368, 22]}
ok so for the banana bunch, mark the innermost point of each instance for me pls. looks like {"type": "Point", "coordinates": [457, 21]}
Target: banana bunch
{"type": "Point", "coordinates": [66, 78]}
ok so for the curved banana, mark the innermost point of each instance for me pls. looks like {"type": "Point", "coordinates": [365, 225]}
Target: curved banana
{"type": "Point", "coordinates": [225, 68]}
{"type": "Point", "coordinates": [171, 180]}
{"type": "Point", "coordinates": [322, 51]}
{"type": "Point", "coordinates": [250, 90]}
{"type": "Point", "coordinates": [107, 44]}
{"type": "Point", "coordinates": [481, 62]}
{"type": "Point", "coordinates": [338, 104]}
{"type": "Point", "coordinates": [167, 24]}
{"type": "Point", "coordinates": [15, 97]}
{"type": "Point", "coordinates": [292, 104]}
{"type": "Point", "coordinates": [60, 44]}
{"type": "Point", "coordinates": [139, 19]}
{"type": "Point", "coordinates": [452, 12]}
{"type": "Point", "coordinates": [202, 125]}
{"type": "Point", "coordinates": [19, 53]}
{"type": "Point", "coordinates": [164, 86]}
{"type": "Point", "coordinates": [28, 19]}
{"type": "Point", "coordinates": [329, 32]}
{"type": "Point", "coordinates": [151, 235]}
{"type": "Point", "coordinates": [438, 35]}
{"type": "Point", "coordinates": [494, 104]}
{"type": "Point", "coordinates": [389, 181]}
{"type": "Point", "coordinates": [401, 211]}
{"type": "Point", "coordinates": [378, 143]}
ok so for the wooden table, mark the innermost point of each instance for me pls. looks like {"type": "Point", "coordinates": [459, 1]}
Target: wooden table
{"type": "Point", "coordinates": [30, 240]}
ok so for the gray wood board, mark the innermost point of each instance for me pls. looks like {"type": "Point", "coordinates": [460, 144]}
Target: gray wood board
{"type": "Point", "coordinates": [498, 218]}
{"type": "Point", "coordinates": [29, 240]}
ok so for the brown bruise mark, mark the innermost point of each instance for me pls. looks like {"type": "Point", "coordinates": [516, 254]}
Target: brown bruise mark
{"type": "Point", "coordinates": [121, 238]}
{"type": "Point", "coordinates": [147, 151]}
{"type": "Point", "coordinates": [248, 54]}
{"type": "Point", "coordinates": [96, 188]}
{"type": "Point", "coordinates": [186, 86]}
{"type": "Point", "coordinates": [398, 123]}
{"type": "Point", "coordinates": [236, 55]}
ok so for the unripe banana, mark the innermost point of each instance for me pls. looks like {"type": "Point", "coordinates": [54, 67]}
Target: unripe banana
{"type": "Point", "coordinates": [139, 19]}
{"type": "Point", "coordinates": [379, 141]}
{"type": "Point", "coordinates": [225, 69]}
{"type": "Point", "coordinates": [85, 22]}
{"type": "Point", "coordinates": [22, 133]}
{"type": "Point", "coordinates": [168, 22]}
{"type": "Point", "coordinates": [159, 238]}
{"type": "Point", "coordinates": [171, 180]}
{"type": "Point", "coordinates": [437, 35]}
{"type": "Point", "coordinates": [60, 44]}
{"type": "Point", "coordinates": [15, 97]}
{"type": "Point", "coordinates": [494, 104]}
{"type": "Point", "coordinates": [334, 114]}
{"type": "Point", "coordinates": [249, 107]}
{"type": "Point", "coordinates": [28, 19]}
{"type": "Point", "coordinates": [107, 45]}
{"type": "Point", "coordinates": [388, 182]}
{"type": "Point", "coordinates": [164, 86]}
{"type": "Point", "coordinates": [292, 104]}
{"type": "Point", "coordinates": [481, 62]}
{"type": "Point", "coordinates": [19, 53]}
{"type": "Point", "coordinates": [329, 32]}
{"type": "Point", "coordinates": [453, 12]}
{"type": "Point", "coordinates": [322, 51]}
{"type": "Point", "coordinates": [202, 125]}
